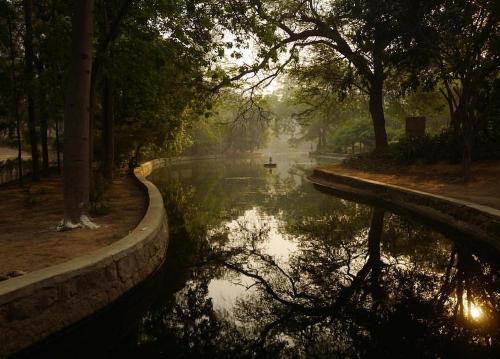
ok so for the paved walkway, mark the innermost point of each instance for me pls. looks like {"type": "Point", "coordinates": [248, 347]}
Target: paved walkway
{"type": "Point", "coordinates": [440, 179]}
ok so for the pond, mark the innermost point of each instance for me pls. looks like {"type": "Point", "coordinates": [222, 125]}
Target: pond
{"type": "Point", "coordinates": [261, 264]}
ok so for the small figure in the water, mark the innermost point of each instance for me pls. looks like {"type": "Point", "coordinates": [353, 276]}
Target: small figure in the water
{"type": "Point", "coordinates": [132, 163]}
{"type": "Point", "coordinates": [270, 164]}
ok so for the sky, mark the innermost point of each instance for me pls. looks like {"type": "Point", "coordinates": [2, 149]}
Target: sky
{"type": "Point", "coordinates": [249, 57]}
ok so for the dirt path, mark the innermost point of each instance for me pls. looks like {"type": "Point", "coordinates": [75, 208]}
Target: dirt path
{"type": "Point", "coordinates": [442, 179]}
{"type": "Point", "coordinates": [29, 215]}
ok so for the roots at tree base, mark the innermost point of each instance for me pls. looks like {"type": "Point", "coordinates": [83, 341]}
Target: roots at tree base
{"type": "Point", "coordinates": [85, 222]}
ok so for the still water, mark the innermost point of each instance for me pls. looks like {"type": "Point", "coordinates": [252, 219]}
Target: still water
{"type": "Point", "coordinates": [263, 265]}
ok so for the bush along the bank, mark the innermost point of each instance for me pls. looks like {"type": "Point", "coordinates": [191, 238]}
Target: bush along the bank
{"type": "Point", "coordinates": [443, 147]}
{"type": "Point", "coordinates": [429, 149]}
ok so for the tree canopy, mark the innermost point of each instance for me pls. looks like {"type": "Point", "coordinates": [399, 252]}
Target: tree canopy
{"type": "Point", "coordinates": [165, 74]}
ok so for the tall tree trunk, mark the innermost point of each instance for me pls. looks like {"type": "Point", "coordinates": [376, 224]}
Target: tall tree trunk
{"type": "Point", "coordinates": [468, 143]}
{"type": "Point", "coordinates": [58, 146]}
{"type": "Point", "coordinates": [449, 97]}
{"type": "Point", "coordinates": [375, 234]}
{"type": "Point", "coordinates": [466, 124]}
{"type": "Point", "coordinates": [15, 101]}
{"type": "Point", "coordinates": [374, 238]}
{"type": "Point", "coordinates": [44, 135]}
{"type": "Point", "coordinates": [107, 131]}
{"type": "Point", "coordinates": [44, 114]}
{"type": "Point", "coordinates": [76, 118]}
{"type": "Point", "coordinates": [92, 106]}
{"type": "Point", "coordinates": [376, 106]}
{"type": "Point", "coordinates": [376, 93]}
{"type": "Point", "coordinates": [112, 22]}
{"type": "Point", "coordinates": [19, 143]}
{"type": "Point", "coordinates": [29, 62]}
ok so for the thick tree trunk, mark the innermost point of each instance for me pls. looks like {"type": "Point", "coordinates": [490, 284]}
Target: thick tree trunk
{"type": "Point", "coordinates": [376, 106]}
{"type": "Point", "coordinates": [468, 144]}
{"type": "Point", "coordinates": [465, 122]}
{"type": "Point", "coordinates": [45, 144]}
{"type": "Point", "coordinates": [375, 234]}
{"type": "Point", "coordinates": [374, 239]}
{"type": "Point", "coordinates": [29, 62]}
{"type": "Point", "coordinates": [76, 118]}
{"type": "Point", "coordinates": [448, 95]}
{"type": "Point", "coordinates": [107, 131]}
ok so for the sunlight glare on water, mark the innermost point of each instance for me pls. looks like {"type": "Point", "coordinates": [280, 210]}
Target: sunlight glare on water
{"type": "Point", "coordinates": [474, 312]}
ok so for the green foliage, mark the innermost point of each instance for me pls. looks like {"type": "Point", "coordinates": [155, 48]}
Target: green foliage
{"type": "Point", "coordinates": [443, 147]}
{"type": "Point", "coordinates": [235, 124]}
{"type": "Point", "coordinates": [156, 54]}
{"type": "Point", "coordinates": [358, 130]}
{"type": "Point", "coordinates": [429, 149]}
{"type": "Point", "coordinates": [165, 57]}
{"type": "Point", "coordinates": [206, 137]}
{"type": "Point", "coordinates": [346, 121]}
{"type": "Point", "coordinates": [160, 79]}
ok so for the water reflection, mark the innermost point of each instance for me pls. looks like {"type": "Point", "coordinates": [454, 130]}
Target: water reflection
{"type": "Point", "coordinates": [288, 272]}
{"type": "Point", "coordinates": [262, 265]}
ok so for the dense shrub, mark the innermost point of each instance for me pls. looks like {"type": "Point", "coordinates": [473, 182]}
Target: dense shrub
{"type": "Point", "coordinates": [444, 147]}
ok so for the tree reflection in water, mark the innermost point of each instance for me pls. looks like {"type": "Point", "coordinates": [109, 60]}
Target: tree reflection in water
{"type": "Point", "coordinates": [360, 282]}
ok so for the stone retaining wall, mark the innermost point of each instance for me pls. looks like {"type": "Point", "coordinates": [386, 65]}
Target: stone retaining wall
{"type": "Point", "coordinates": [40, 303]}
{"type": "Point", "coordinates": [470, 220]}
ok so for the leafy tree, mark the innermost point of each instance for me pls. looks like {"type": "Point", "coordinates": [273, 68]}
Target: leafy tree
{"type": "Point", "coordinates": [29, 61]}
{"type": "Point", "coordinates": [353, 132]}
{"type": "Point", "coordinates": [10, 73]}
{"type": "Point", "coordinates": [460, 39]}
{"type": "Point", "coordinates": [235, 123]}
{"type": "Point", "coordinates": [362, 38]}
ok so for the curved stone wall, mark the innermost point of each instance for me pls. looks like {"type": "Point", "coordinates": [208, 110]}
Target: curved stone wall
{"type": "Point", "coordinates": [40, 303]}
{"type": "Point", "coordinates": [464, 219]}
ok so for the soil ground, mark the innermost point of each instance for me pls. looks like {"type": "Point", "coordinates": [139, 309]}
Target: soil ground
{"type": "Point", "coordinates": [29, 216]}
{"type": "Point", "coordinates": [442, 179]}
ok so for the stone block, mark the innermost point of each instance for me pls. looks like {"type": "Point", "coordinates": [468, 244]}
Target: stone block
{"type": "Point", "coordinates": [415, 126]}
